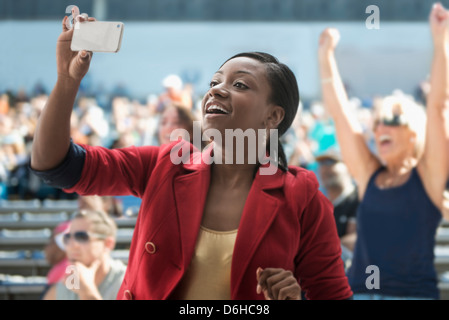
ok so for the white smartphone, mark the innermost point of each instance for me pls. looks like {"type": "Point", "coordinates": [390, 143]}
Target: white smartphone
{"type": "Point", "coordinates": [97, 36]}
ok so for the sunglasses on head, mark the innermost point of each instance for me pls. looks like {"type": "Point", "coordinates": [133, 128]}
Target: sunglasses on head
{"type": "Point", "coordinates": [396, 121]}
{"type": "Point", "coordinates": [81, 237]}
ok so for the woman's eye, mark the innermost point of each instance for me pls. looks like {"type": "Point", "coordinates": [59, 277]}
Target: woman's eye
{"type": "Point", "coordinates": [241, 85]}
{"type": "Point", "coordinates": [213, 83]}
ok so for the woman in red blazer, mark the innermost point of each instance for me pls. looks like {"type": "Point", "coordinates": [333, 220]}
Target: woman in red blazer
{"type": "Point", "coordinates": [207, 227]}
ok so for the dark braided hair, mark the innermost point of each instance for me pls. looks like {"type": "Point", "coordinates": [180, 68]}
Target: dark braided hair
{"type": "Point", "coordinates": [284, 93]}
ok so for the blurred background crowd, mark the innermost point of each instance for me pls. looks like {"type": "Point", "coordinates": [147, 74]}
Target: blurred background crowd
{"type": "Point", "coordinates": [117, 119]}
{"type": "Point", "coordinates": [159, 83]}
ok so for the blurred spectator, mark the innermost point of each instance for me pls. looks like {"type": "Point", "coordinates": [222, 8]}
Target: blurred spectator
{"type": "Point", "coordinates": [124, 140]}
{"type": "Point", "coordinates": [95, 275]}
{"type": "Point", "coordinates": [422, 91]}
{"type": "Point", "coordinates": [56, 256]}
{"type": "Point", "coordinates": [339, 188]}
{"type": "Point", "coordinates": [289, 142]}
{"type": "Point", "coordinates": [108, 204]}
{"type": "Point", "coordinates": [92, 121]}
{"type": "Point", "coordinates": [175, 93]}
{"type": "Point", "coordinates": [39, 89]}
{"type": "Point", "coordinates": [21, 96]}
{"type": "Point", "coordinates": [13, 155]}
{"type": "Point", "coordinates": [132, 122]}
{"type": "Point", "coordinates": [302, 154]}
{"type": "Point", "coordinates": [121, 90]}
{"type": "Point", "coordinates": [322, 131]}
{"type": "Point", "coordinates": [342, 192]}
{"type": "Point", "coordinates": [3, 181]}
{"type": "Point", "coordinates": [76, 134]}
{"type": "Point", "coordinates": [4, 104]}
{"type": "Point", "coordinates": [175, 117]}
{"type": "Point", "coordinates": [122, 115]}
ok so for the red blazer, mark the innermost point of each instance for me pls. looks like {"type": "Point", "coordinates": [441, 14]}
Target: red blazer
{"type": "Point", "coordinates": [286, 223]}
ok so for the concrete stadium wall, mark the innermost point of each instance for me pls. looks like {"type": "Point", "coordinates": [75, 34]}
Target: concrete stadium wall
{"type": "Point", "coordinates": [398, 55]}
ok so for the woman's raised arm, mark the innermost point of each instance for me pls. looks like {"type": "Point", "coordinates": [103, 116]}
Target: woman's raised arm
{"type": "Point", "coordinates": [433, 164]}
{"type": "Point", "coordinates": [52, 136]}
{"type": "Point", "coordinates": [355, 152]}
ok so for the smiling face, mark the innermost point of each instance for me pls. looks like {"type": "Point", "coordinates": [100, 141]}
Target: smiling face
{"type": "Point", "coordinates": [239, 97]}
{"type": "Point", "coordinates": [394, 138]}
{"type": "Point", "coordinates": [399, 128]}
{"type": "Point", "coordinates": [393, 142]}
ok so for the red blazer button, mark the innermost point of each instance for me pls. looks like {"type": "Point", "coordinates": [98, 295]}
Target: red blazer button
{"type": "Point", "coordinates": [150, 247]}
{"type": "Point", "coordinates": [128, 295]}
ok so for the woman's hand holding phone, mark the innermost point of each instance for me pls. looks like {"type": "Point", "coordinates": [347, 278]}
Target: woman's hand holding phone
{"type": "Point", "coordinates": [71, 65]}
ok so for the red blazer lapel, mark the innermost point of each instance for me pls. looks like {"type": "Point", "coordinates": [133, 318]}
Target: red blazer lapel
{"type": "Point", "coordinates": [190, 195]}
{"type": "Point", "coordinates": [260, 211]}
{"type": "Point", "coordinates": [258, 214]}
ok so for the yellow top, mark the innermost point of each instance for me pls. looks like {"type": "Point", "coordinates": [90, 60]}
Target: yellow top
{"type": "Point", "coordinates": [209, 274]}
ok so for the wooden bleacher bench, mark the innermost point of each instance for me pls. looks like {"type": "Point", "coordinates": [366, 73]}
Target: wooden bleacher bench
{"type": "Point", "coordinates": [16, 286]}
{"type": "Point", "coordinates": [35, 205]}
{"type": "Point", "coordinates": [40, 237]}
{"type": "Point", "coordinates": [442, 236]}
{"type": "Point", "coordinates": [25, 229]}
{"type": "Point", "coordinates": [27, 260]}
{"type": "Point", "coordinates": [442, 258]}
{"type": "Point", "coordinates": [444, 224]}
{"type": "Point", "coordinates": [22, 291]}
{"type": "Point", "coordinates": [43, 219]}
{"type": "Point", "coordinates": [444, 290]}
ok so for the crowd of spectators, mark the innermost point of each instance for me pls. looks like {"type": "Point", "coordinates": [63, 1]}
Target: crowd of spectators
{"type": "Point", "coordinates": [119, 120]}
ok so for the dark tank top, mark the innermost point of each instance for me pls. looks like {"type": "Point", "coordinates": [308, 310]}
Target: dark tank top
{"type": "Point", "coordinates": [396, 230]}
